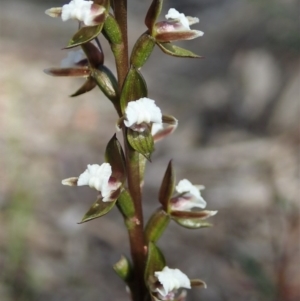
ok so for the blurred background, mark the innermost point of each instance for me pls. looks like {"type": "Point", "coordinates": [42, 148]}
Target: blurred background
{"type": "Point", "coordinates": [238, 112]}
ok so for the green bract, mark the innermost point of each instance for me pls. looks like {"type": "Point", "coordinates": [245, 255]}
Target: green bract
{"type": "Point", "coordinates": [142, 50]}
{"type": "Point", "coordinates": [156, 225]}
{"type": "Point", "coordinates": [124, 269]}
{"type": "Point", "coordinates": [134, 88]}
{"type": "Point", "coordinates": [167, 187]}
{"type": "Point", "coordinates": [111, 30]}
{"type": "Point", "coordinates": [107, 82]}
{"type": "Point", "coordinates": [155, 261]}
{"type": "Point", "coordinates": [115, 157]}
{"type": "Point", "coordinates": [142, 142]}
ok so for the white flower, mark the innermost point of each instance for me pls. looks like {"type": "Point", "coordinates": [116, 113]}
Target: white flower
{"type": "Point", "coordinates": [171, 280]}
{"type": "Point", "coordinates": [189, 197]}
{"type": "Point", "coordinates": [97, 177]}
{"type": "Point", "coordinates": [141, 112]}
{"type": "Point", "coordinates": [173, 14]}
{"type": "Point", "coordinates": [176, 28]}
{"type": "Point", "coordinates": [72, 59]}
{"type": "Point", "coordinates": [82, 11]}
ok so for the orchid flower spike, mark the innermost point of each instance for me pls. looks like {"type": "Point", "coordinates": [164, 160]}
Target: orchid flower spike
{"type": "Point", "coordinates": [83, 11]}
{"type": "Point", "coordinates": [188, 197]}
{"type": "Point", "coordinates": [98, 177]}
{"type": "Point", "coordinates": [176, 28]}
{"type": "Point", "coordinates": [142, 113]}
{"type": "Point", "coordinates": [170, 280]}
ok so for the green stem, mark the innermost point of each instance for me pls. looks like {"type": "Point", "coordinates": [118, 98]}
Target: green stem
{"type": "Point", "coordinates": [136, 225]}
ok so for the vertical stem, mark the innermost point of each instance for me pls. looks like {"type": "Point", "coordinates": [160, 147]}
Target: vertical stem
{"type": "Point", "coordinates": [120, 10]}
{"type": "Point", "coordinates": [136, 233]}
{"type": "Point", "coordinates": [136, 230]}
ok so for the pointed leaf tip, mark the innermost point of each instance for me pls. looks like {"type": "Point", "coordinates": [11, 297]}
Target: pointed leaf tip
{"type": "Point", "coordinates": [167, 187]}
{"type": "Point", "coordinates": [98, 209]}
{"type": "Point", "coordinates": [114, 155]}
{"type": "Point", "coordinates": [89, 85]}
{"type": "Point", "coordinates": [153, 13]}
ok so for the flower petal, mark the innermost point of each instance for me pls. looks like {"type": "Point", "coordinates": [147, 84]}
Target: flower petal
{"type": "Point", "coordinates": [171, 280]}
{"type": "Point", "coordinates": [173, 14]}
{"type": "Point", "coordinates": [143, 110]}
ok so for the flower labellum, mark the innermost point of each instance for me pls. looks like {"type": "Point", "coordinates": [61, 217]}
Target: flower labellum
{"type": "Point", "coordinates": [141, 113]}
{"type": "Point", "coordinates": [98, 177]}
{"type": "Point", "coordinates": [170, 280]}
{"type": "Point", "coordinates": [188, 197]}
{"type": "Point", "coordinates": [176, 28]}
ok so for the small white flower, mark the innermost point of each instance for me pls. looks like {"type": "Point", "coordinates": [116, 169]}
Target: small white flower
{"type": "Point", "coordinates": [141, 112]}
{"type": "Point", "coordinates": [171, 280]}
{"type": "Point", "coordinates": [173, 14]}
{"type": "Point", "coordinates": [81, 10]}
{"type": "Point", "coordinates": [97, 177]}
{"type": "Point", "coordinates": [176, 28]}
{"type": "Point", "coordinates": [73, 57]}
{"type": "Point", "coordinates": [189, 197]}
{"type": "Point", "coordinates": [76, 9]}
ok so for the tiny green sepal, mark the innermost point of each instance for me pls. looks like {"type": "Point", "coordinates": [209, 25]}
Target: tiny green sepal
{"type": "Point", "coordinates": [107, 83]}
{"type": "Point", "coordinates": [142, 142]}
{"type": "Point", "coordinates": [142, 50]}
{"type": "Point", "coordinates": [153, 13]}
{"type": "Point", "coordinates": [126, 204]}
{"type": "Point", "coordinates": [203, 214]}
{"type": "Point", "coordinates": [111, 30]}
{"type": "Point", "coordinates": [88, 85]}
{"type": "Point", "coordinates": [134, 87]}
{"type": "Point", "coordinates": [85, 34]}
{"type": "Point", "coordinates": [167, 187]}
{"type": "Point", "coordinates": [156, 225]}
{"type": "Point", "coordinates": [98, 209]}
{"type": "Point", "coordinates": [155, 261]}
{"type": "Point", "coordinates": [114, 155]}
{"type": "Point", "coordinates": [192, 223]}
{"type": "Point", "coordinates": [124, 269]}
{"type": "Point", "coordinates": [173, 50]}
